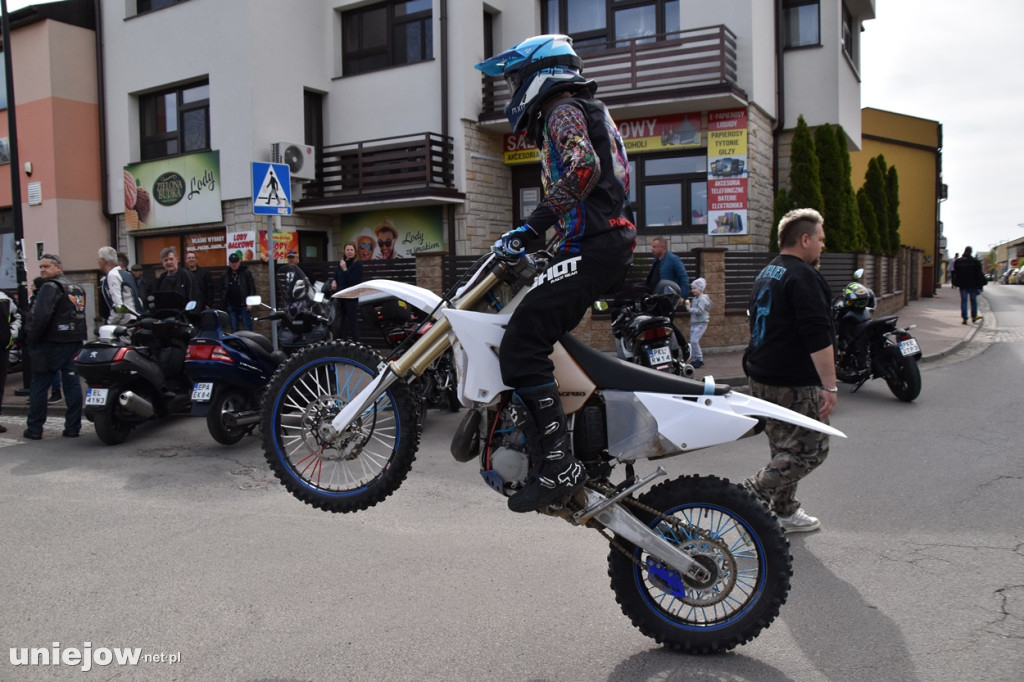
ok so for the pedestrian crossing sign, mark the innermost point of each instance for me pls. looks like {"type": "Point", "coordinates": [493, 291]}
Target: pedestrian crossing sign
{"type": "Point", "coordinates": [271, 189]}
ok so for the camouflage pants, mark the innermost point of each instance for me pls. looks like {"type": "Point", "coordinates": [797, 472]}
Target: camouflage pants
{"type": "Point", "coordinates": [795, 451]}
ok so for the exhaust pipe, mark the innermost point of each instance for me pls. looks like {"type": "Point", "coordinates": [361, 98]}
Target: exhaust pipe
{"type": "Point", "coordinates": [688, 371]}
{"type": "Point", "coordinates": [234, 420]}
{"type": "Point", "coordinates": [136, 404]}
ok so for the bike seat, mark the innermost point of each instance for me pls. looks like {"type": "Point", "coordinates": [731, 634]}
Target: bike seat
{"type": "Point", "coordinates": [261, 341]}
{"type": "Point", "coordinates": [611, 373]}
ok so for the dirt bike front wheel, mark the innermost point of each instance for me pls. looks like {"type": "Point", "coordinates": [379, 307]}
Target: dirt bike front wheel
{"type": "Point", "coordinates": [368, 460]}
{"type": "Point", "coordinates": [729, 532]}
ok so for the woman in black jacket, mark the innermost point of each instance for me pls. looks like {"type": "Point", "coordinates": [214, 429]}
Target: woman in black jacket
{"type": "Point", "coordinates": [348, 273]}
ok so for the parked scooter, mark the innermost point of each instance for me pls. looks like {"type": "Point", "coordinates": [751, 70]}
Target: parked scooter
{"type": "Point", "coordinates": [399, 322]}
{"type": "Point", "coordinates": [229, 371]}
{"type": "Point", "coordinates": [134, 371]}
{"type": "Point", "coordinates": [873, 348]}
{"type": "Point", "coordinates": [646, 335]}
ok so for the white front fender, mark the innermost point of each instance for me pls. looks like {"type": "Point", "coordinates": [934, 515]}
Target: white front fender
{"type": "Point", "coordinates": [373, 289]}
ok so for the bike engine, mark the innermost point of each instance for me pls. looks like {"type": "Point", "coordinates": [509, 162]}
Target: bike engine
{"type": "Point", "coordinates": [505, 462]}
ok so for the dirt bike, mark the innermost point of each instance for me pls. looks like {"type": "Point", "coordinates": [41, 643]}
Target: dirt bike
{"type": "Point", "coordinates": [697, 563]}
{"type": "Point", "coordinates": [869, 347]}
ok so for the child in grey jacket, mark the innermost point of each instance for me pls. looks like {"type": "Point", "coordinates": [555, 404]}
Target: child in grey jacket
{"type": "Point", "coordinates": [698, 306]}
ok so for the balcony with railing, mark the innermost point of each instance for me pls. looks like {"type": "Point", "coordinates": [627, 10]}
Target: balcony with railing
{"type": "Point", "coordinates": [391, 168]}
{"type": "Point", "coordinates": [685, 64]}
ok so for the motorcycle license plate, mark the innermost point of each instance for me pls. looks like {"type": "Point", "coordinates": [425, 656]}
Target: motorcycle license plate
{"type": "Point", "coordinates": [202, 391]}
{"type": "Point", "coordinates": [660, 356]}
{"type": "Point", "coordinates": [96, 396]}
{"type": "Point", "coordinates": [909, 347]}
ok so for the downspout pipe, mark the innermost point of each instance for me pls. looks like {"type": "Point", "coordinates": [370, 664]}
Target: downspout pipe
{"type": "Point", "coordinates": [446, 129]}
{"type": "Point", "coordinates": [101, 88]}
{"type": "Point", "coordinates": [780, 95]}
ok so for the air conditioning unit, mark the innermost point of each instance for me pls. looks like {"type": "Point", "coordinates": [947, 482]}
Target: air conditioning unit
{"type": "Point", "coordinates": [301, 158]}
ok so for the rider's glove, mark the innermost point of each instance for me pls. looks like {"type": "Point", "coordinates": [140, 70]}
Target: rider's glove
{"type": "Point", "coordinates": [511, 246]}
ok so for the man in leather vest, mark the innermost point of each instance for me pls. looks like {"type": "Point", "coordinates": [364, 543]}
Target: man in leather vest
{"type": "Point", "coordinates": [55, 332]}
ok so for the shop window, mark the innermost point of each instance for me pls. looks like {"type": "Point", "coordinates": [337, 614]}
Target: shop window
{"type": "Point", "coordinates": [175, 121]}
{"type": "Point", "coordinates": [386, 35]}
{"type": "Point", "coordinates": [672, 192]}
{"type": "Point", "coordinates": [802, 22]}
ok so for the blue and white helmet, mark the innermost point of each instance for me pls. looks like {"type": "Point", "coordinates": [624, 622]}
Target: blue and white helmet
{"type": "Point", "coordinates": [536, 69]}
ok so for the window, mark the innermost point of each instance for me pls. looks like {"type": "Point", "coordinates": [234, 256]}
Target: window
{"type": "Point", "coordinates": [176, 121]}
{"type": "Point", "coordinates": [596, 23]}
{"type": "Point", "coordinates": [673, 192]}
{"type": "Point", "coordinates": [802, 22]}
{"type": "Point", "coordinates": [150, 5]}
{"type": "Point", "coordinates": [385, 35]}
{"type": "Point", "coordinates": [850, 35]}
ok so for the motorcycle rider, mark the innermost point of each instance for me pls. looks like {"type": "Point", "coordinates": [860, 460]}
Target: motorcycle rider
{"type": "Point", "coordinates": [585, 174]}
{"type": "Point", "coordinates": [118, 288]}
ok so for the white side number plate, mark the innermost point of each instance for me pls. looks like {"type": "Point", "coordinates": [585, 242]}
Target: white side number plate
{"type": "Point", "coordinates": [96, 396]}
{"type": "Point", "coordinates": [909, 347]}
{"type": "Point", "coordinates": [202, 391]}
{"type": "Point", "coordinates": [660, 355]}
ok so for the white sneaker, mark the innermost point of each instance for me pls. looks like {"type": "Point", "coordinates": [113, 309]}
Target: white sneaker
{"type": "Point", "coordinates": [799, 522]}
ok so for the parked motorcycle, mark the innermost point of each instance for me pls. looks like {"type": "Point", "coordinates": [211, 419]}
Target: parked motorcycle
{"type": "Point", "coordinates": [400, 324]}
{"type": "Point", "coordinates": [304, 317]}
{"type": "Point", "coordinates": [697, 563]}
{"type": "Point", "coordinates": [134, 372]}
{"type": "Point", "coordinates": [646, 335]}
{"type": "Point", "coordinates": [229, 372]}
{"type": "Point", "coordinates": [873, 348]}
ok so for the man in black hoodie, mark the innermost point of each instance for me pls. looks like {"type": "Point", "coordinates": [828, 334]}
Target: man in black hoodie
{"type": "Point", "coordinates": [968, 275]}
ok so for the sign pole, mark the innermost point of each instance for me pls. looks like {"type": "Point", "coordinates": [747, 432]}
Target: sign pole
{"type": "Point", "coordinates": [272, 248]}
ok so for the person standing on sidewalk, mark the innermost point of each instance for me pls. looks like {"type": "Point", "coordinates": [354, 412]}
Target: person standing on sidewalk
{"type": "Point", "coordinates": [666, 265]}
{"type": "Point", "coordinates": [10, 327]}
{"type": "Point", "coordinates": [348, 273]}
{"type": "Point", "coordinates": [56, 330]}
{"type": "Point", "coordinates": [699, 317]}
{"type": "Point", "coordinates": [791, 362]}
{"type": "Point", "coordinates": [969, 277]}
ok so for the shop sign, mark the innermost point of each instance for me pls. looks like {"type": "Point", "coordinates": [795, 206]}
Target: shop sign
{"type": "Point", "coordinates": [727, 172]}
{"type": "Point", "coordinates": [639, 135]}
{"type": "Point", "coordinates": [394, 233]}
{"type": "Point", "coordinates": [184, 190]}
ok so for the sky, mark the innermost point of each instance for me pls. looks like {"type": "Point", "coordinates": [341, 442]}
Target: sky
{"type": "Point", "coordinates": [961, 64]}
{"type": "Point", "coordinates": [958, 63]}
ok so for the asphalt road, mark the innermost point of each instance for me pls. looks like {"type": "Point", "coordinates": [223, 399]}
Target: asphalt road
{"type": "Point", "coordinates": [191, 552]}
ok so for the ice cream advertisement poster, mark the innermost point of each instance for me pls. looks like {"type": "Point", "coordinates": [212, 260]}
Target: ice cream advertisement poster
{"type": "Point", "coordinates": [284, 241]}
{"type": "Point", "coordinates": [243, 244]}
{"type": "Point", "coordinates": [394, 233]}
{"type": "Point", "coordinates": [184, 190]}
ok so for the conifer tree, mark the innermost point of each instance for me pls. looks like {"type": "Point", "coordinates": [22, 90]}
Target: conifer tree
{"type": "Point", "coordinates": [830, 174]}
{"type": "Point", "coordinates": [857, 239]}
{"type": "Point", "coordinates": [867, 217]}
{"type": "Point", "coordinates": [804, 183]}
{"type": "Point", "coordinates": [782, 207]}
{"type": "Point", "coordinates": [874, 189]}
{"type": "Point", "coordinates": [892, 194]}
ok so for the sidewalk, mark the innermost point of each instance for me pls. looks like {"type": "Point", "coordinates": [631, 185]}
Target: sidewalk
{"type": "Point", "coordinates": [936, 323]}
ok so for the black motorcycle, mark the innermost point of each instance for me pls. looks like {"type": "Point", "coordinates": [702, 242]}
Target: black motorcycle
{"type": "Point", "coordinates": [873, 348]}
{"type": "Point", "coordinates": [646, 335]}
{"type": "Point", "coordinates": [135, 372]}
{"type": "Point", "coordinates": [401, 323]}
{"type": "Point", "coordinates": [304, 314]}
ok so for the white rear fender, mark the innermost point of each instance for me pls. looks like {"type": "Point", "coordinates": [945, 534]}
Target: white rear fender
{"type": "Point", "coordinates": [692, 422]}
{"type": "Point", "coordinates": [367, 291]}
{"type": "Point", "coordinates": [742, 403]}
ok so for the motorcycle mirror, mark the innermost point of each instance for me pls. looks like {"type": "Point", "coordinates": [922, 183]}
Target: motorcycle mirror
{"type": "Point", "coordinates": [858, 273]}
{"type": "Point", "coordinates": [600, 306]}
{"type": "Point", "coordinates": [253, 300]}
{"type": "Point", "coordinates": [318, 297]}
{"type": "Point", "coordinates": [191, 305]}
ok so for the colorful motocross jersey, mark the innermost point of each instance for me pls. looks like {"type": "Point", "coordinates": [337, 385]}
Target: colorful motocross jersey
{"type": "Point", "coordinates": [586, 181]}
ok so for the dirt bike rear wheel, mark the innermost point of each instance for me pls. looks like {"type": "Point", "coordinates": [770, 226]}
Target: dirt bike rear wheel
{"type": "Point", "coordinates": [369, 460]}
{"type": "Point", "coordinates": [731, 533]}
